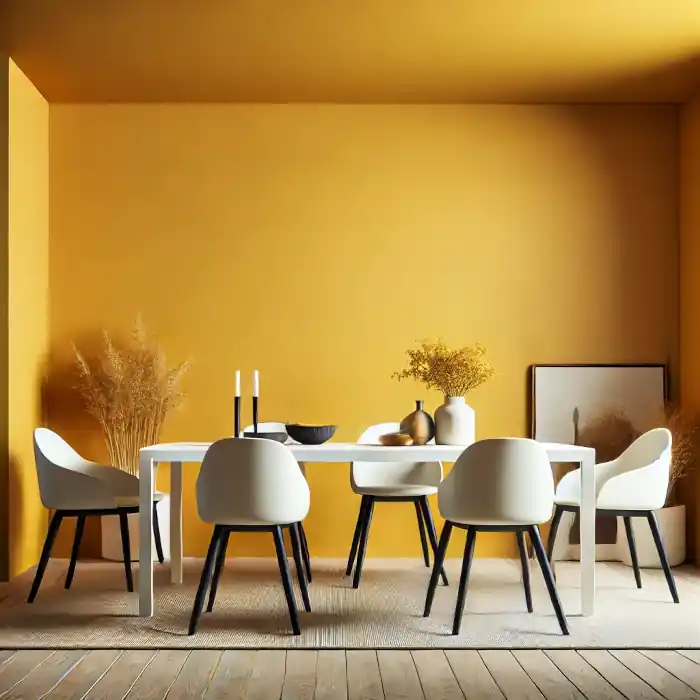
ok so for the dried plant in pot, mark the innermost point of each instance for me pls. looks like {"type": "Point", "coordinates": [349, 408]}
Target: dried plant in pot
{"type": "Point", "coordinates": [685, 429]}
{"type": "Point", "coordinates": [130, 391]}
{"type": "Point", "coordinates": [453, 372]}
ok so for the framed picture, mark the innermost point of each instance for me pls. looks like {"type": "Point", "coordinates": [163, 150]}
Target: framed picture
{"type": "Point", "coordinates": [568, 397]}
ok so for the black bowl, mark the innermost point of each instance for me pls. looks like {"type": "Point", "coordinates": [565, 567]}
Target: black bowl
{"type": "Point", "coordinates": [277, 437]}
{"type": "Point", "coordinates": [311, 434]}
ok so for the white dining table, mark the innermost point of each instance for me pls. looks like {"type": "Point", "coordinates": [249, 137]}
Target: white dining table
{"type": "Point", "coordinates": [179, 453]}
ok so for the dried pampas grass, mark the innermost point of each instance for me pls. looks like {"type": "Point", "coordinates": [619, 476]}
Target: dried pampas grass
{"type": "Point", "coordinates": [130, 392]}
{"type": "Point", "coordinates": [684, 427]}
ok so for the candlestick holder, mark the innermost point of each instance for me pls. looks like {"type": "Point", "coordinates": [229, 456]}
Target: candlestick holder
{"type": "Point", "coordinates": [237, 416]}
{"type": "Point", "coordinates": [255, 415]}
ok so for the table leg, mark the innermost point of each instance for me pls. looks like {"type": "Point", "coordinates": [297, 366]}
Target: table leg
{"type": "Point", "coordinates": [146, 476]}
{"type": "Point", "coordinates": [587, 532]}
{"type": "Point", "coordinates": [176, 522]}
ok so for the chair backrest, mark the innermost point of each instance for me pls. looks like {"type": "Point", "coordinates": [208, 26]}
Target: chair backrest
{"type": "Point", "coordinates": [653, 446]}
{"type": "Point", "coordinates": [270, 427]}
{"type": "Point", "coordinates": [51, 454]}
{"type": "Point", "coordinates": [363, 474]}
{"type": "Point", "coordinates": [499, 481]}
{"type": "Point", "coordinates": [639, 477]}
{"type": "Point", "coordinates": [251, 480]}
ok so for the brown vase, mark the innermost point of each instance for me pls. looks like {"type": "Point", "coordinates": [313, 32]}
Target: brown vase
{"type": "Point", "coordinates": [419, 425]}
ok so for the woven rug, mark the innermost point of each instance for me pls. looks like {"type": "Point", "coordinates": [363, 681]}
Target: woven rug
{"type": "Point", "coordinates": [385, 612]}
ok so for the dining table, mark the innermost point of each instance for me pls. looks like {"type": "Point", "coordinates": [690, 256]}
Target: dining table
{"type": "Point", "coordinates": [178, 453]}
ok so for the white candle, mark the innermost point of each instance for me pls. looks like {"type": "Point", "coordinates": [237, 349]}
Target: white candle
{"type": "Point", "coordinates": [238, 382]}
{"type": "Point", "coordinates": [256, 383]}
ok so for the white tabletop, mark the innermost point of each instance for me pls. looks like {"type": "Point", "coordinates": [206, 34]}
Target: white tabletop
{"type": "Point", "coordinates": [351, 452]}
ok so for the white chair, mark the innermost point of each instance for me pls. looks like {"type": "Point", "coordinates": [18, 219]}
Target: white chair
{"type": "Point", "coordinates": [272, 427]}
{"type": "Point", "coordinates": [402, 482]}
{"type": "Point", "coordinates": [75, 487]}
{"type": "Point", "coordinates": [251, 485]}
{"type": "Point", "coordinates": [500, 485]}
{"type": "Point", "coordinates": [632, 486]}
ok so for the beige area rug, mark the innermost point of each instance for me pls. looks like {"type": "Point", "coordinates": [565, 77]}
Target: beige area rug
{"type": "Point", "coordinates": [386, 611]}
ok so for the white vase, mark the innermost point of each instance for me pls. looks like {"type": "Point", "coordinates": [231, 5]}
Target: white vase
{"type": "Point", "coordinates": [454, 422]}
{"type": "Point", "coordinates": [672, 526]}
{"type": "Point", "coordinates": [112, 538]}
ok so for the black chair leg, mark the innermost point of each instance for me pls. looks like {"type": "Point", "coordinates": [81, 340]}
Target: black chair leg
{"type": "Point", "coordinates": [525, 564]}
{"type": "Point", "coordinates": [536, 540]}
{"type": "Point", "coordinates": [437, 566]}
{"type": "Point", "coordinates": [79, 527]}
{"type": "Point", "coordinates": [464, 579]}
{"type": "Point", "coordinates": [430, 525]}
{"type": "Point", "coordinates": [633, 550]}
{"type": "Point", "coordinates": [205, 578]}
{"type": "Point", "coordinates": [218, 568]}
{"type": "Point", "coordinates": [362, 548]}
{"type": "Point", "coordinates": [156, 533]}
{"type": "Point", "coordinates": [299, 565]}
{"type": "Point", "coordinates": [356, 537]}
{"type": "Point", "coordinates": [305, 551]}
{"type": "Point", "coordinates": [553, 528]}
{"type": "Point", "coordinates": [658, 541]}
{"type": "Point", "coordinates": [286, 579]}
{"type": "Point", "coordinates": [126, 550]}
{"type": "Point", "coordinates": [45, 554]}
{"type": "Point", "coordinates": [421, 529]}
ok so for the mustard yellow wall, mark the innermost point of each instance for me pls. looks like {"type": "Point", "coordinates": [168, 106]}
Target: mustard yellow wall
{"type": "Point", "coordinates": [28, 309]}
{"type": "Point", "coordinates": [690, 291]}
{"type": "Point", "coordinates": [316, 243]}
{"type": "Point", "coordinates": [4, 193]}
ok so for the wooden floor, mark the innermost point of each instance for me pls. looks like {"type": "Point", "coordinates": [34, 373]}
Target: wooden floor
{"type": "Point", "coordinates": [351, 675]}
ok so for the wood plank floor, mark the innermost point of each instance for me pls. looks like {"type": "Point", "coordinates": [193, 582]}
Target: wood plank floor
{"type": "Point", "coordinates": [561, 674]}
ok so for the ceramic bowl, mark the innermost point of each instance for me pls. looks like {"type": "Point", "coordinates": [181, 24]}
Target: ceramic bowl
{"type": "Point", "coordinates": [277, 437]}
{"type": "Point", "coordinates": [311, 434]}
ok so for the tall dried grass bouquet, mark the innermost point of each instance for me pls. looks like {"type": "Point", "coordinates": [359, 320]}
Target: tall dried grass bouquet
{"type": "Point", "coordinates": [453, 372]}
{"type": "Point", "coordinates": [130, 391]}
{"type": "Point", "coordinates": [685, 429]}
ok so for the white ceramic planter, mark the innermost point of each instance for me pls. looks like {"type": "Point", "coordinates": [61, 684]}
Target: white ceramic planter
{"type": "Point", "coordinates": [672, 526]}
{"type": "Point", "coordinates": [455, 422]}
{"type": "Point", "coordinates": [112, 539]}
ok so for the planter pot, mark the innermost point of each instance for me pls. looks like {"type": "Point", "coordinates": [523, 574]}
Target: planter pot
{"type": "Point", "coordinates": [455, 422]}
{"type": "Point", "coordinates": [672, 526]}
{"type": "Point", "coordinates": [112, 539]}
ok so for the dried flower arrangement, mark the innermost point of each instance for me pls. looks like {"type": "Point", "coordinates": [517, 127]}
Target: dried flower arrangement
{"type": "Point", "coordinates": [611, 433]}
{"type": "Point", "coordinates": [685, 429]}
{"type": "Point", "coordinates": [453, 372]}
{"type": "Point", "coordinates": [130, 393]}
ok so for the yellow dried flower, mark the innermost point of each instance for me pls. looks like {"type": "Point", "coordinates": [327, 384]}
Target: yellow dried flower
{"type": "Point", "coordinates": [453, 372]}
{"type": "Point", "coordinates": [130, 394]}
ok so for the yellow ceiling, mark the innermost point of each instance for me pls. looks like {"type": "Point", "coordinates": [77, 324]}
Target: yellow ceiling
{"type": "Point", "coordinates": [358, 50]}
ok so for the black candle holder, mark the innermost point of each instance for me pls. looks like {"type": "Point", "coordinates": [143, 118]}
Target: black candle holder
{"type": "Point", "coordinates": [237, 416]}
{"type": "Point", "coordinates": [255, 415]}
